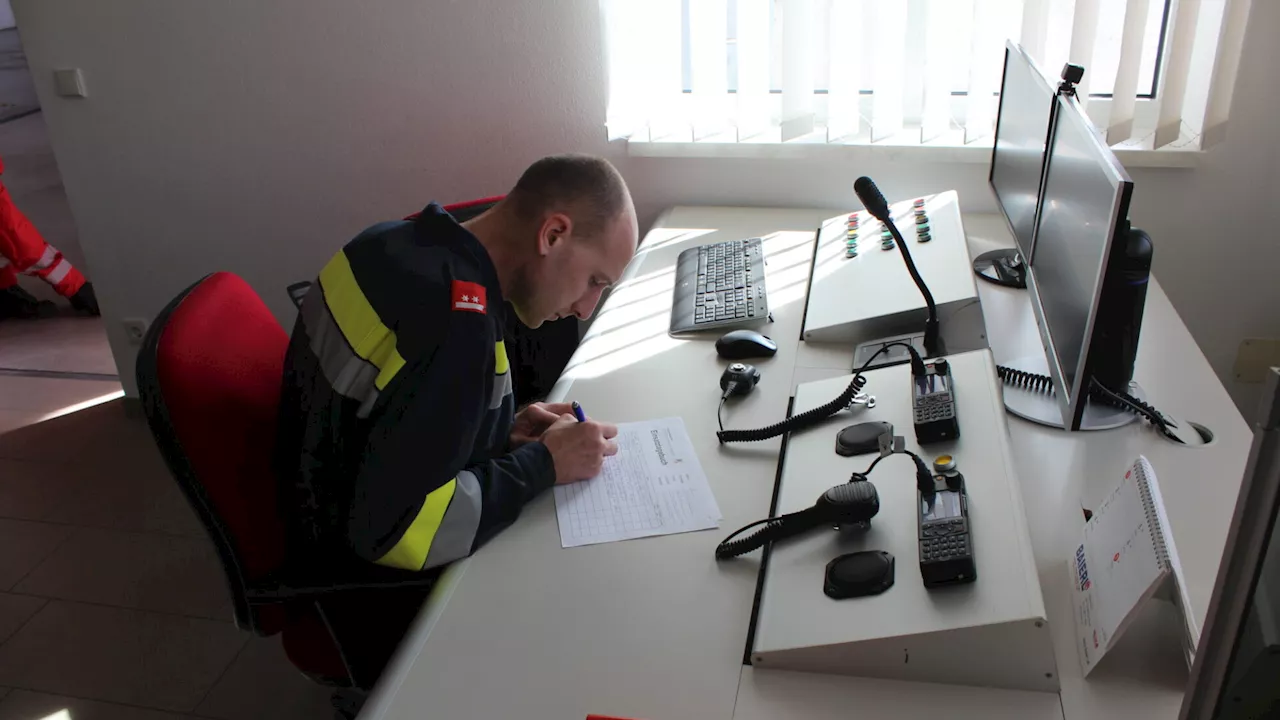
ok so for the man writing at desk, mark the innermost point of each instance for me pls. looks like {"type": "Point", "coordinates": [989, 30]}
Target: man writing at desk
{"type": "Point", "coordinates": [399, 442]}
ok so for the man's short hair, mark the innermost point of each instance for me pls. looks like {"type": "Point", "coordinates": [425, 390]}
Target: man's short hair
{"type": "Point", "coordinates": [586, 188]}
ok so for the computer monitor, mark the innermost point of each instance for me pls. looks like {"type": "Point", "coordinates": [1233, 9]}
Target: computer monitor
{"type": "Point", "coordinates": [1088, 276]}
{"type": "Point", "coordinates": [1018, 153]}
{"type": "Point", "coordinates": [1017, 162]}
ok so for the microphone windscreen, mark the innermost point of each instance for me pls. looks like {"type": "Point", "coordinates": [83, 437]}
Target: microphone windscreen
{"type": "Point", "coordinates": [871, 198]}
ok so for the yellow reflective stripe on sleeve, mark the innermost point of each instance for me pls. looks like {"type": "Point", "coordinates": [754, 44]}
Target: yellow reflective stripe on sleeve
{"type": "Point", "coordinates": [359, 322]}
{"type": "Point", "coordinates": [387, 359]}
{"type": "Point", "coordinates": [502, 364]}
{"type": "Point", "coordinates": [410, 552]}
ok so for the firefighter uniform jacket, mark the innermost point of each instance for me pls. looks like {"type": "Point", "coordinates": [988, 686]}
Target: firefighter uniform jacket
{"type": "Point", "coordinates": [24, 250]}
{"type": "Point", "coordinates": [397, 404]}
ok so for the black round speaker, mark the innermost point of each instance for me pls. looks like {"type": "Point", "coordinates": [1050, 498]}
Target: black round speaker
{"type": "Point", "coordinates": [869, 572]}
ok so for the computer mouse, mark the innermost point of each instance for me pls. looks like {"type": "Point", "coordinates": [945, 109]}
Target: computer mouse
{"type": "Point", "coordinates": [745, 344]}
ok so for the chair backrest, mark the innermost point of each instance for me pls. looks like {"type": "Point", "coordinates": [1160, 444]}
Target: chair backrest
{"type": "Point", "coordinates": [464, 211]}
{"type": "Point", "coordinates": [209, 377]}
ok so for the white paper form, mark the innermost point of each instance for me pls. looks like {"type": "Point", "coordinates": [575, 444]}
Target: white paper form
{"type": "Point", "coordinates": [653, 486]}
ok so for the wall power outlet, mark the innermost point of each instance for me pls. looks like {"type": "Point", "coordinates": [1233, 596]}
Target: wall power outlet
{"type": "Point", "coordinates": [135, 329]}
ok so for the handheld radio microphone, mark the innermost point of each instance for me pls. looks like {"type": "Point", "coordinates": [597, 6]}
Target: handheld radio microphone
{"type": "Point", "coordinates": [853, 503]}
{"type": "Point", "coordinates": [873, 200]}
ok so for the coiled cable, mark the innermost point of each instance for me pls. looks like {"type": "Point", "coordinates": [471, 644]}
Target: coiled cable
{"type": "Point", "coordinates": [1128, 402]}
{"type": "Point", "coordinates": [1097, 392]}
{"type": "Point", "coordinates": [1025, 380]}
{"type": "Point", "coordinates": [731, 548]}
{"type": "Point", "coordinates": [812, 417]}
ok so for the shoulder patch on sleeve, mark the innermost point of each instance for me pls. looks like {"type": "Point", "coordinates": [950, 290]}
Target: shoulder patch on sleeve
{"type": "Point", "coordinates": [469, 297]}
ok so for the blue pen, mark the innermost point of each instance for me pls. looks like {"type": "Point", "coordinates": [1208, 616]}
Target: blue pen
{"type": "Point", "coordinates": [577, 412]}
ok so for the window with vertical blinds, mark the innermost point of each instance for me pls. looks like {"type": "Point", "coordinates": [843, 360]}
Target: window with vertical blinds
{"type": "Point", "coordinates": [1158, 73]}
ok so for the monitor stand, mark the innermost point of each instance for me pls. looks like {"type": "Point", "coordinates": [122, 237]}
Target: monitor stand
{"type": "Point", "coordinates": [1041, 406]}
{"type": "Point", "coordinates": [1002, 267]}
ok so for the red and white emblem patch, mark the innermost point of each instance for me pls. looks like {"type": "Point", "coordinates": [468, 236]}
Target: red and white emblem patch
{"type": "Point", "coordinates": [469, 297]}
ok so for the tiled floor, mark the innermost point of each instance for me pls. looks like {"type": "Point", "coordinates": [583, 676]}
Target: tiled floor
{"type": "Point", "coordinates": [112, 602]}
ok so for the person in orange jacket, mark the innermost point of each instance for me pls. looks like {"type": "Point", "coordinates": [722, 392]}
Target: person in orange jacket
{"type": "Point", "coordinates": [24, 250]}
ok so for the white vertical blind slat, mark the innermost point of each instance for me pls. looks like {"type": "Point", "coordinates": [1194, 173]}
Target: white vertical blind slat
{"type": "Point", "coordinates": [753, 68]}
{"type": "Point", "coordinates": [1057, 40]}
{"type": "Point", "coordinates": [888, 71]}
{"type": "Point", "coordinates": [1084, 31]}
{"type": "Point", "coordinates": [867, 48]}
{"type": "Point", "coordinates": [1225, 64]}
{"type": "Point", "coordinates": [708, 43]}
{"type": "Point", "coordinates": [625, 115]}
{"type": "Point", "coordinates": [844, 62]}
{"type": "Point", "coordinates": [985, 67]}
{"type": "Point", "coordinates": [797, 69]}
{"type": "Point", "coordinates": [913, 67]}
{"type": "Point", "coordinates": [1172, 95]}
{"type": "Point", "coordinates": [1124, 100]}
{"type": "Point", "coordinates": [648, 86]}
{"type": "Point", "coordinates": [1035, 28]}
{"type": "Point", "coordinates": [941, 46]}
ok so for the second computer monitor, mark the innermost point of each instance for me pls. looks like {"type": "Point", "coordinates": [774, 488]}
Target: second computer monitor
{"type": "Point", "coordinates": [1022, 129]}
{"type": "Point", "coordinates": [1084, 207]}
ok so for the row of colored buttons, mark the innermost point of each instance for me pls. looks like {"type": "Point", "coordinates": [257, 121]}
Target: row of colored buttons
{"type": "Point", "coordinates": [851, 239]}
{"type": "Point", "coordinates": [886, 238]}
{"type": "Point", "coordinates": [922, 221]}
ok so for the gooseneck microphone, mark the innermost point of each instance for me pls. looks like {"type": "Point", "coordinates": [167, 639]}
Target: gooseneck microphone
{"type": "Point", "coordinates": [872, 199]}
{"type": "Point", "coordinates": [874, 202]}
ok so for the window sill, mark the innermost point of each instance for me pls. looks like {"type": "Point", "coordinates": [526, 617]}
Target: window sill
{"type": "Point", "coordinates": [825, 152]}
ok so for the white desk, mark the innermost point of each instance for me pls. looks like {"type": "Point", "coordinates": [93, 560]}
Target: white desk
{"type": "Point", "coordinates": [656, 628]}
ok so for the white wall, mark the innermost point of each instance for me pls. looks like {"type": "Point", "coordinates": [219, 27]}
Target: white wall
{"type": "Point", "coordinates": [258, 137]}
{"type": "Point", "coordinates": [6, 15]}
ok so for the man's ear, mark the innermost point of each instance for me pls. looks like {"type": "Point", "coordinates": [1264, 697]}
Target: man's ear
{"type": "Point", "coordinates": [555, 230]}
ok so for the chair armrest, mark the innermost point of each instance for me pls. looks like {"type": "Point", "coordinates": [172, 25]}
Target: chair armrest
{"type": "Point", "coordinates": [298, 291]}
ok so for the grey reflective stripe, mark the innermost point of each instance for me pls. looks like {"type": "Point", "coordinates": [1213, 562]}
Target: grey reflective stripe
{"type": "Point", "coordinates": [457, 532]}
{"type": "Point", "coordinates": [366, 407]}
{"type": "Point", "coordinates": [348, 374]}
{"type": "Point", "coordinates": [46, 259]}
{"type": "Point", "coordinates": [57, 274]}
{"type": "Point", "coordinates": [501, 389]}
{"type": "Point", "coordinates": [4, 262]}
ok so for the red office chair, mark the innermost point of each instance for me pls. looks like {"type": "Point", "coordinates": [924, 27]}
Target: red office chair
{"type": "Point", "coordinates": [464, 211]}
{"type": "Point", "coordinates": [209, 377]}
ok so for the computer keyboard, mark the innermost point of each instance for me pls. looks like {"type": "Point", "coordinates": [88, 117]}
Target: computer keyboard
{"type": "Point", "coordinates": [720, 285]}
